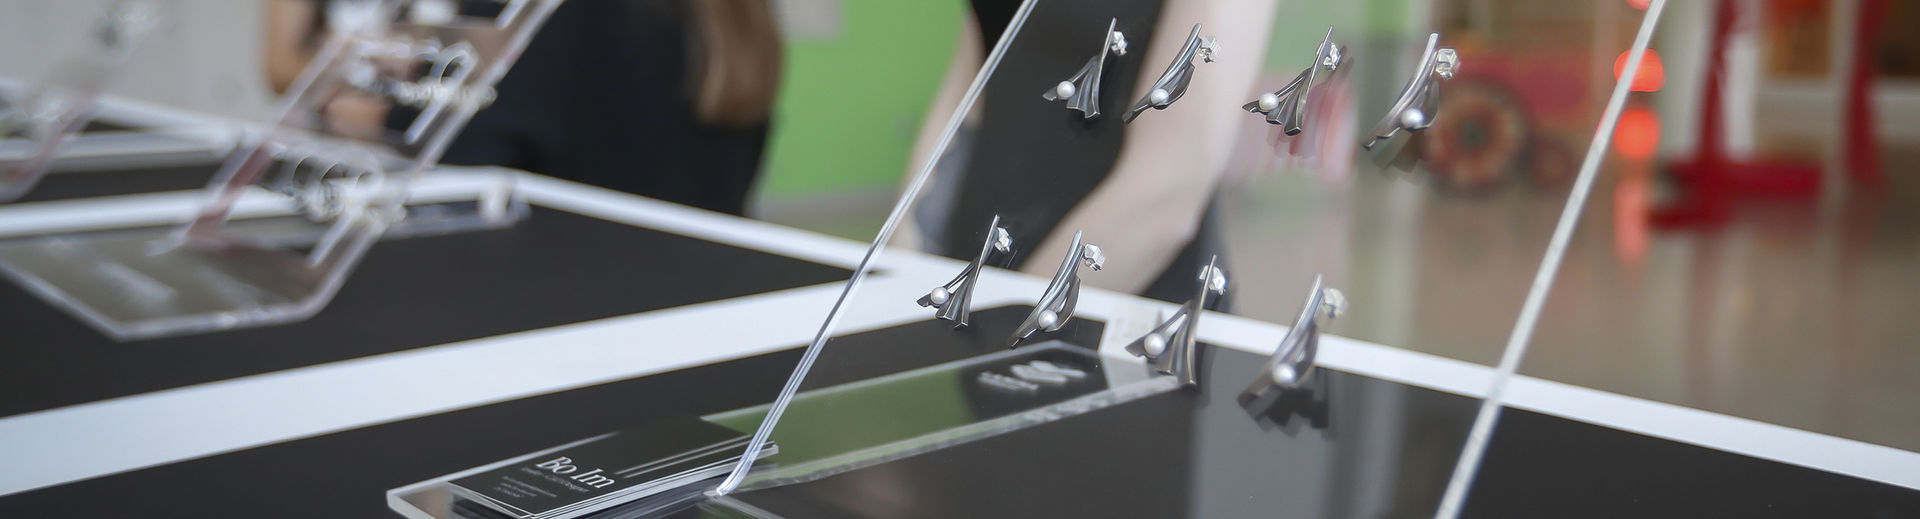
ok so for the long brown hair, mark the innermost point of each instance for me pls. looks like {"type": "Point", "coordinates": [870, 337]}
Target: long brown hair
{"type": "Point", "coordinates": [733, 62]}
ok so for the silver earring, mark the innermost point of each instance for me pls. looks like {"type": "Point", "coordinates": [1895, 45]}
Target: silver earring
{"type": "Point", "coordinates": [1292, 362]}
{"type": "Point", "coordinates": [1082, 91]}
{"type": "Point", "coordinates": [1419, 100]}
{"type": "Point", "coordinates": [1055, 306]}
{"type": "Point", "coordinates": [310, 194]}
{"type": "Point", "coordinates": [290, 161]}
{"type": "Point", "coordinates": [1173, 83]}
{"type": "Point", "coordinates": [1169, 347]}
{"type": "Point", "coordinates": [1288, 105]}
{"type": "Point", "coordinates": [955, 299]}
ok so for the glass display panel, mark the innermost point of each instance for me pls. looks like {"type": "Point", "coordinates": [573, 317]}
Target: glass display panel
{"type": "Point", "coordinates": [1078, 176]}
{"type": "Point", "coordinates": [1436, 233]}
{"type": "Point", "coordinates": [1485, 431]}
{"type": "Point", "coordinates": [1746, 250]}
{"type": "Point", "coordinates": [947, 374]}
{"type": "Point", "coordinates": [1756, 265]}
{"type": "Point", "coordinates": [297, 204]}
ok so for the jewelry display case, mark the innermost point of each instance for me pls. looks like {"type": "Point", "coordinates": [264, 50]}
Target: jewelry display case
{"type": "Point", "coordinates": [342, 184]}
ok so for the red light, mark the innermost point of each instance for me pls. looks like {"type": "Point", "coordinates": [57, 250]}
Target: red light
{"type": "Point", "coordinates": [1652, 74]}
{"type": "Point", "coordinates": [1639, 4]}
{"type": "Point", "coordinates": [1637, 133]}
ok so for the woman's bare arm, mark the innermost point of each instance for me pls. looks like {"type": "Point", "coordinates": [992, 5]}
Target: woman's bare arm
{"type": "Point", "coordinates": [287, 41]}
{"type": "Point", "coordinates": [966, 62]}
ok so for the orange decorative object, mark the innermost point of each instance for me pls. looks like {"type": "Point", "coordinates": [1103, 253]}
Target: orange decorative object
{"type": "Point", "coordinates": [1637, 133]}
{"type": "Point", "coordinates": [1652, 74]}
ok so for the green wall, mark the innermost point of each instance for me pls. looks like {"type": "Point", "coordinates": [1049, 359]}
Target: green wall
{"type": "Point", "coordinates": [851, 103]}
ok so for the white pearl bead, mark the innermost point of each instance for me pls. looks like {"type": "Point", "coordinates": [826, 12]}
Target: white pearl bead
{"type": "Point", "coordinates": [1064, 90]}
{"type": "Point", "coordinates": [1154, 344]}
{"type": "Point", "coordinates": [1284, 375]}
{"type": "Point", "coordinates": [939, 296]}
{"type": "Point", "coordinates": [1159, 97]}
{"type": "Point", "coordinates": [1268, 102]}
{"type": "Point", "coordinates": [1413, 119]}
{"type": "Point", "coordinates": [1048, 319]}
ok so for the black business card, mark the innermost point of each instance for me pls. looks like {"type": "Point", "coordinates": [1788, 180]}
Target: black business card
{"type": "Point", "coordinates": [649, 459]}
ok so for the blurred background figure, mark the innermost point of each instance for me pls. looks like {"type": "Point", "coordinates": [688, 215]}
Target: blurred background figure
{"type": "Point", "coordinates": [666, 99]}
{"type": "Point", "coordinates": [1143, 191]}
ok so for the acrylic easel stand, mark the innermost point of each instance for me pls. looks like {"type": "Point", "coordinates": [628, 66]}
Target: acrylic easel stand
{"type": "Point", "coordinates": [846, 427]}
{"type": "Point", "coordinates": [988, 399]}
{"type": "Point", "coordinates": [41, 121]}
{"type": "Point", "coordinates": [156, 282]}
{"type": "Point", "coordinates": [125, 133]}
{"type": "Point", "coordinates": [347, 186]}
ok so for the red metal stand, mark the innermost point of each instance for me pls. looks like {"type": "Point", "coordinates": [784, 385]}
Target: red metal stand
{"type": "Point", "coordinates": [1712, 181]}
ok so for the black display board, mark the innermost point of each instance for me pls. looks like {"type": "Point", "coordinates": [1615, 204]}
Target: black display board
{"type": "Point", "coordinates": [554, 268]}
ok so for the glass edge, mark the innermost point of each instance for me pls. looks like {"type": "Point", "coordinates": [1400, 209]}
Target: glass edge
{"type": "Point", "coordinates": [1467, 465]}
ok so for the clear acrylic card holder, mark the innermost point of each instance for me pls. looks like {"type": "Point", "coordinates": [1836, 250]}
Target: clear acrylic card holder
{"type": "Point", "coordinates": [299, 202]}
{"type": "Point", "coordinates": [41, 117]}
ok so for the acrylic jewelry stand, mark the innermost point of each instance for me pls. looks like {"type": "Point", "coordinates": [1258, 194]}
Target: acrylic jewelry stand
{"type": "Point", "coordinates": [44, 117]}
{"type": "Point", "coordinates": [347, 187]}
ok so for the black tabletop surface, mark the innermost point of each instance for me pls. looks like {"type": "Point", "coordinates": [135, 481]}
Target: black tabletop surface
{"type": "Point", "coordinates": [115, 182]}
{"type": "Point", "coordinates": [553, 268]}
{"type": "Point", "coordinates": [1353, 446]}
{"type": "Point", "coordinates": [347, 474]}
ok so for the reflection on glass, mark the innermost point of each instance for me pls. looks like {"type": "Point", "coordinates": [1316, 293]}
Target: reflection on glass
{"type": "Point", "coordinates": [1433, 233]}
{"type": "Point", "coordinates": [1752, 255]}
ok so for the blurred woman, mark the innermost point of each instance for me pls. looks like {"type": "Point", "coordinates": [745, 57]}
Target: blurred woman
{"type": "Point", "coordinates": [1142, 191]}
{"type": "Point", "coordinates": [669, 99]}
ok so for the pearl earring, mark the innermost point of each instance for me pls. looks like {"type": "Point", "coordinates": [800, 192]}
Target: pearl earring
{"type": "Point", "coordinates": [1419, 100]}
{"type": "Point", "coordinates": [1286, 107]}
{"type": "Point", "coordinates": [1169, 347]}
{"type": "Point", "coordinates": [1055, 306]}
{"type": "Point", "coordinates": [1292, 362]}
{"type": "Point", "coordinates": [954, 300]}
{"type": "Point", "coordinates": [1082, 91]}
{"type": "Point", "coordinates": [1173, 83]}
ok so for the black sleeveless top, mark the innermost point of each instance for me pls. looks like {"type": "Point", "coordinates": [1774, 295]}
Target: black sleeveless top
{"type": "Point", "coordinates": [601, 96]}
